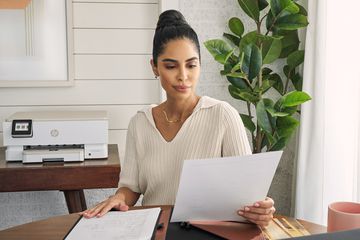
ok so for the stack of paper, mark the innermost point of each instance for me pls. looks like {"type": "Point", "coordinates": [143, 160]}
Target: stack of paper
{"type": "Point", "coordinates": [130, 225]}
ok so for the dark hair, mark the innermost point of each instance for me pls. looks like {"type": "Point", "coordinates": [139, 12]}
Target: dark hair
{"type": "Point", "coordinates": [171, 26]}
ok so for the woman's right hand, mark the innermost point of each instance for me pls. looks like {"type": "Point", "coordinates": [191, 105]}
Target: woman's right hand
{"type": "Point", "coordinates": [116, 201]}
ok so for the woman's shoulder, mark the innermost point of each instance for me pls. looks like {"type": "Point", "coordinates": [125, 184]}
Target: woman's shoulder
{"type": "Point", "coordinates": [142, 115]}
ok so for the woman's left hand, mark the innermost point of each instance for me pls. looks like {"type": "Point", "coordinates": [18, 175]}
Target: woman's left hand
{"type": "Point", "coordinates": [259, 213]}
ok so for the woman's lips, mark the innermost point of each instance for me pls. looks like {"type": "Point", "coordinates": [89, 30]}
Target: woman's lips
{"type": "Point", "coordinates": [181, 88]}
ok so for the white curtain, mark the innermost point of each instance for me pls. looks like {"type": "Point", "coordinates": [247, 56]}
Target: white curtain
{"type": "Point", "coordinates": [328, 156]}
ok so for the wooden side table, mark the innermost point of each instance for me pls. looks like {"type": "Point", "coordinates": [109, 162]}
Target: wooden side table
{"type": "Point", "coordinates": [71, 178]}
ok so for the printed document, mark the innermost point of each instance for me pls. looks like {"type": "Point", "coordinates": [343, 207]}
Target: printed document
{"type": "Point", "coordinates": [130, 225]}
{"type": "Point", "coordinates": [214, 189]}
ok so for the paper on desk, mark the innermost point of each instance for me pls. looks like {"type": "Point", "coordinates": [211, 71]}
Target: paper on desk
{"type": "Point", "coordinates": [130, 225]}
{"type": "Point", "coordinates": [214, 189]}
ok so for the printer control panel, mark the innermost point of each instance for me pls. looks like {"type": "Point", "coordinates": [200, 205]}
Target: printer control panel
{"type": "Point", "coordinates": [22, 128]}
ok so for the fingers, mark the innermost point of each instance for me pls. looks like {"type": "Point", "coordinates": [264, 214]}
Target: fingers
{"type": "Point", "coordinates": [260, 212]}
{"type": "Point", "coordinates": [267, 203]}
{"type": "Point", "coordinates": [260, 219]}
{"type": "Point", "coordinates": [102, 208]}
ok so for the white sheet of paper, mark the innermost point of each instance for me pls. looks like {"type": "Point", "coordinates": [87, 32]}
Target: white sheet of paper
{"type": "Point", "coordinates": [130, 225]}
{"type": "Point", "coordinates": [214, 189]}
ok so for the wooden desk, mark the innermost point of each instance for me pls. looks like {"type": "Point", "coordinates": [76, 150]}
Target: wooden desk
{"type": "Point", "coordinates": [71, 178]}
{"type": "Point", "coordinates": [56, 228]}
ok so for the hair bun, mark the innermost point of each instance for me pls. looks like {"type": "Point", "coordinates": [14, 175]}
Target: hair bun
{"type": "Point", "coordinates": [171, 18]}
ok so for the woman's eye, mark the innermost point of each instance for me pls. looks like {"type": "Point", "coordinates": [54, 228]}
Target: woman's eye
{"type": "Point", "coordinates": [170, 66]}
{"type": "Point", "coordinates": [192, 66]}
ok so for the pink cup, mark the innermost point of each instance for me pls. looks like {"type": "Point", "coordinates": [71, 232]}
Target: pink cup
{"type": "Point", "coordinates": [343, 216]}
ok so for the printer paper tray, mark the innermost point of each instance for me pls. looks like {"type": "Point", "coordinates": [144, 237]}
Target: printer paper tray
{"type": "Point", "coordinates": [58, 155]}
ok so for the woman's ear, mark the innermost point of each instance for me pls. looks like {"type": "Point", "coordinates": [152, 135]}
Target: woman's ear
{"type": "Point", "coordinates": [154, 68]}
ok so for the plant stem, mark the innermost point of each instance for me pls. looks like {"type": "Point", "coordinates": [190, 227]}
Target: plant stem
{"type": "Point", "coordinates": [257, 148]}
{"type": "Point", "coordinates": [263, 18]}
{"type": "Point", "coordinates": [249, 114]}
{"type": "Point", "coordinates": [272, 25]}
{"type": "Point", "coordinates": [248, 83]}
{"type": "Point", "coordinates": [286, 85]}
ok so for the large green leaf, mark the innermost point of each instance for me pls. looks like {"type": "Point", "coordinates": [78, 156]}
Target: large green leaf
{"type": "Point", "coordinates": [289, 72]}
{"type": "Point", "coordinates": [252, 61]}
{"type": "Point", "coordinates": [290, 43]}
{"type": "Point", "coordinates": [236, 26]}
{"type": "Point", "coordinates": [223, 58]}
{"type": "Point", "coordinates": [262, 4]}
{"type": "Point", "coordinates": [265, 86]}
{"type": "Point", "coordinates": [251, 8]}
{"type": "Point", "coordinates": [236, 74]}
{"type": "Point", "coordinates": [297, 81]}
{"type": "Point", "coordinates": [271, 50]}
{"type": "Point", "coordinates": [286, 126]}
{"type": "Point", "coordinates": [249, 97]}
{"type": "Point", "coordinates": [237, 82]}
{"type": "Point", "coordinates": [242, 95]}
{"type": "Point", "coordinates": [248, 123]}
{"type": "Point", "coordinates": [269, 106]}
{"type": "Point", "coordinates": [278, 7]}
{"type": "Point", "coordinates": [278, 84]}
{"type": "Point", "coordinates": [295, 59]}
{"type": "Point", "coordinates": [280, 144]}
{"type": "Point", "coordinates": [263, 117]}
{"type": "Point", "coordinates": [274, 113]}
{"type": "Point", "coordinates": [290, 110]}
{"type": "Point", "coordinates": [235, 92]}
{"type": "Point", "coordinates": [302, 10]}
{"type": "Point", "coordinates": [269, 20]}
{"type": "Point", "coordinates": [295, 98]}
{"type": "Point", "coordinates": [291, 22]}
{"type": "Point", "coordinates": [270, 140]}
{"type": "Point", "coordinates": [266, 71]}
{"type": "Point", "coordinates": [234, 39]}
{"type": "Point", "coordinates": [250, 38]}
{"type": "Point", "coordinates": [219, 49]}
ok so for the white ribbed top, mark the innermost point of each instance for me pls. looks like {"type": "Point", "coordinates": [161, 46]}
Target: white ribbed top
{"type": "Point", "coordinates": [152, 166]}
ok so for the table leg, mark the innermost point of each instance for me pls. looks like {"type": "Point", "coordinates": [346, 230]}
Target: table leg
{"type": "Point", "coordinates": [75, 200]}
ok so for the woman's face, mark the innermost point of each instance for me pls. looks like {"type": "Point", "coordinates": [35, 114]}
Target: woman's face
{"type": "Point", "coordinates": [179, 68]}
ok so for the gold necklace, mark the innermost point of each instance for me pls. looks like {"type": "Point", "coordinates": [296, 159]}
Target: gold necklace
{"type": "Point", "coordinates": [167, 119]}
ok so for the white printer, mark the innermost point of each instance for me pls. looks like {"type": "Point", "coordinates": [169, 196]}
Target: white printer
{"type": "Point", "coordinates": [48, 136]}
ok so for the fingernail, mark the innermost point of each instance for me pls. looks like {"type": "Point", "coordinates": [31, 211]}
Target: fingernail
{"type": "Point", "coordinates": [257, 205]}
{"type": "Point", "coordinates": [241, 212]}
{"type": "Point", "coordinates": [247, 209]}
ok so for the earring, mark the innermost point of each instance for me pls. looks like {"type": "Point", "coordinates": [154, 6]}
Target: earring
{"type": "Point", "coordinates": [156, 76]}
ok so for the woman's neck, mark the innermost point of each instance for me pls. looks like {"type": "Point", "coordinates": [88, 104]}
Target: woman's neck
{"type": "Point", "coordinates": [180, 109]}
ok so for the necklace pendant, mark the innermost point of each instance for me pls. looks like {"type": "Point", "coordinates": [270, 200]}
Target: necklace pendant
{"type": "Point", "coordinates": [167, 119]}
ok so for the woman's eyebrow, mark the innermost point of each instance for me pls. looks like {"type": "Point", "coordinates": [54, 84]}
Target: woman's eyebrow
{"type": "Point", "coordinates": [175, 61]}
{"type": "Point", "coordinates": [169, 60]}
{"type": "Point", "coordinates": [191, 59]}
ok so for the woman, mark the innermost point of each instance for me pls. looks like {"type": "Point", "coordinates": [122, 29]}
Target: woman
{"type": "Point", "coordinates": [185, 126]}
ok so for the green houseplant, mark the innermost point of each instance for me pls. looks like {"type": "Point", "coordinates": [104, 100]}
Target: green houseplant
{"type": "Point", "coordinates": [247, 64]}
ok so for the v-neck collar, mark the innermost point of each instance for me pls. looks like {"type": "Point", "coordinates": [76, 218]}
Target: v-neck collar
{"type": "Point", "coordinates": [204, 102]}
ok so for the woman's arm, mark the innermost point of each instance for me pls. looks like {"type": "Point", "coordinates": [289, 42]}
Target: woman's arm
{"type": "Point", "coordinates": [129, 190]}
{"type": "Point", "coordinates": [121, 201]}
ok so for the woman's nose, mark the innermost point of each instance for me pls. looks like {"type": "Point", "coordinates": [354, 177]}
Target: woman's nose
{"type": "Point", "coordinates": [182, 75]}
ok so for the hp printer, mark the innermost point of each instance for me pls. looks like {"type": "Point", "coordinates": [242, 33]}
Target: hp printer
{"type": "Point", "coordinates": [68, 136]}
